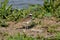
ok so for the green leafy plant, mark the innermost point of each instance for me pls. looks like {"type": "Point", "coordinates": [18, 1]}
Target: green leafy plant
{"type": "Point", "coordinates": [20, 37]}
{"type": "Point", "coordinates": [3, 23]}
{"type": "Point", "coordinates": [52, 6]}
{"type": "Point", "coordinates": [57, 36]}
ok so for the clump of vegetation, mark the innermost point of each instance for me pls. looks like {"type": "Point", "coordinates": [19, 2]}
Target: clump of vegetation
{"type": "Point", "coordinates": [50, 8]}
{"type": "Point", "coordinates": [57, 36]}
{"type": "Point", "coordinates": [3, 23]}
{"type": "Point", "coordinates": [20, 37]}
{"type": "Point", "coordinates": [24, 37]}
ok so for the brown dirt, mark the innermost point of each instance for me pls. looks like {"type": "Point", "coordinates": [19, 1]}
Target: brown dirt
{"type": "Point", "coordinates": [39, 29]}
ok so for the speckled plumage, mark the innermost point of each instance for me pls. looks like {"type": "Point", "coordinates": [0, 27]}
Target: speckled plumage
{"type": "Point", "coordinates": [27, 21]}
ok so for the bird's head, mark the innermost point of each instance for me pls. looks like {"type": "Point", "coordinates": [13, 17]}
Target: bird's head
{"type": "Point", "coordinates": [30, 14]}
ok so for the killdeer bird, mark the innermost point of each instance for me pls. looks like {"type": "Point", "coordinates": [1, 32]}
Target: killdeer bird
{"type": "Point", "coordinates": [27, 22]}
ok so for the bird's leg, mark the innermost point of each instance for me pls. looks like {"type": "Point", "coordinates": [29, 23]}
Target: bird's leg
{"type": "Point", "coordinates": [26, 27]}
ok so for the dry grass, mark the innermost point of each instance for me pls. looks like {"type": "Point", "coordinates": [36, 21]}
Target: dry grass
{"type": "Point", "coordinates": [46, 28]}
